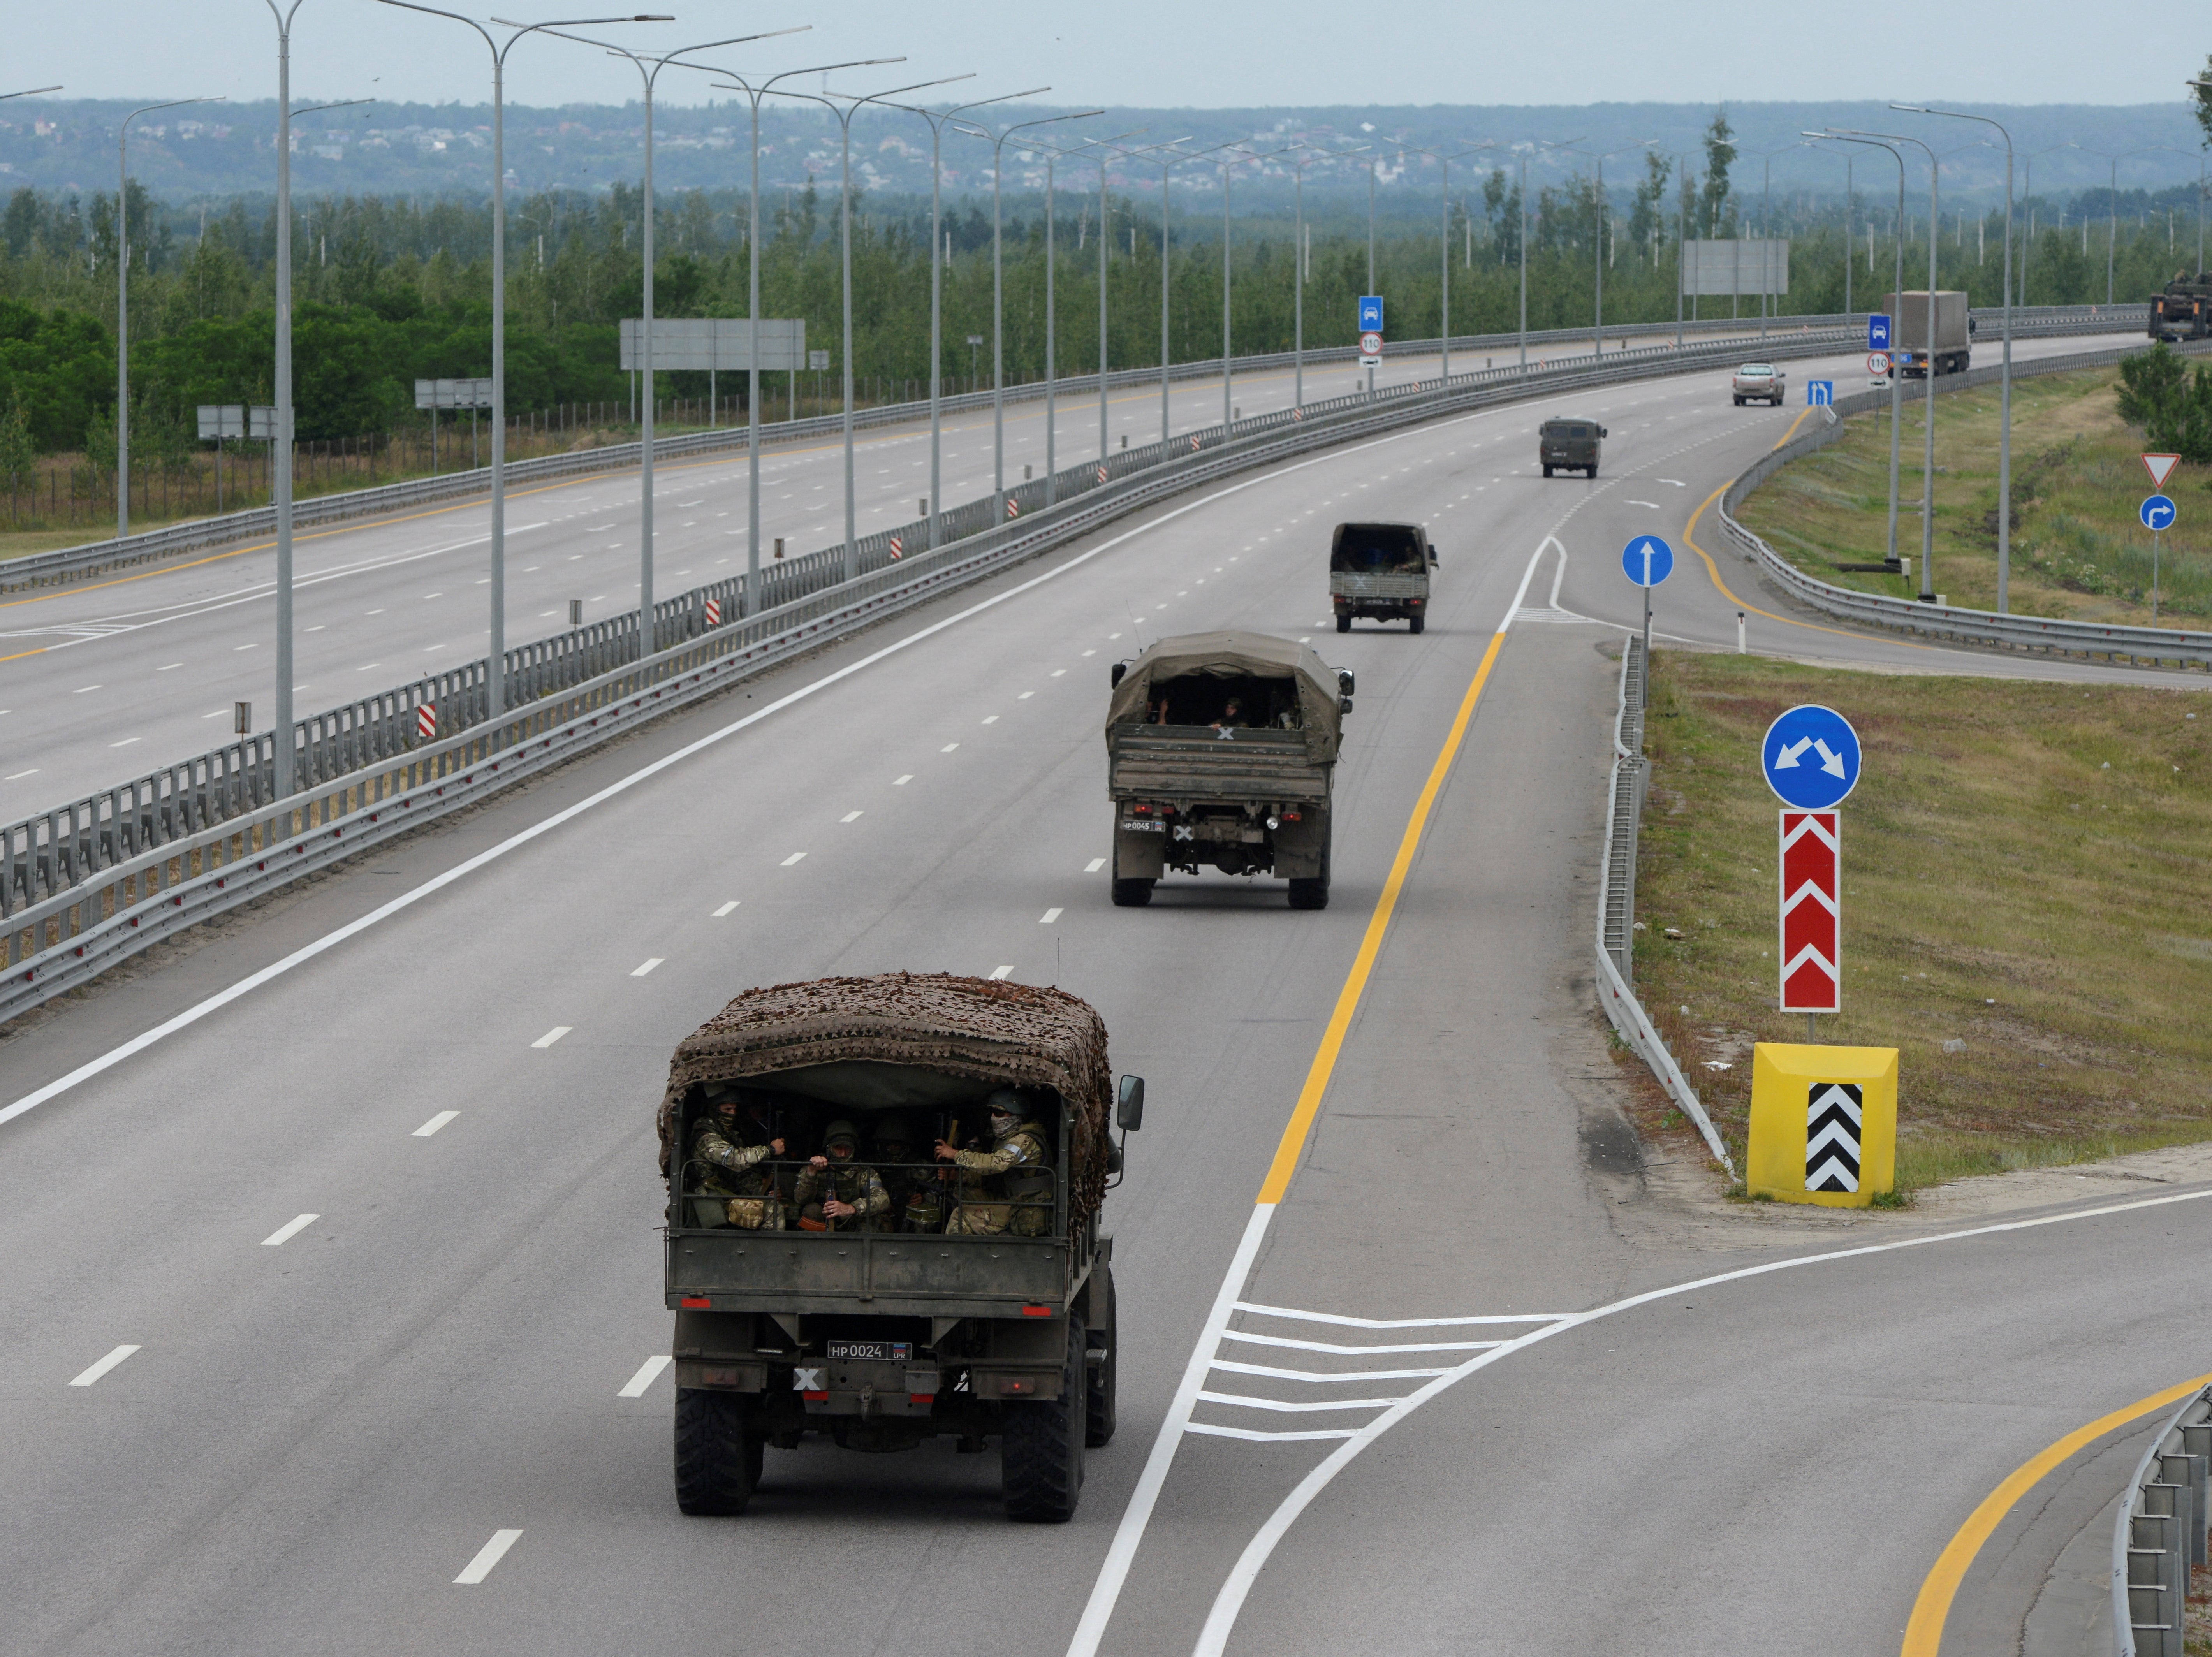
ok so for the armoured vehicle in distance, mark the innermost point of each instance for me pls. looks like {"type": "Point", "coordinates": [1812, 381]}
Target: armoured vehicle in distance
{"type": "Point", "coordinates": [2182, 310]}
{"type": "Point", "coordinates": [1381, 570]}
{"type": "Point", "coordinates": [1913, 342]}
{"type": "Point", "coordinates": [1569, 444]}
{"type": "Point", "coordinates": [878, 1338]}
{"type": "Point", "coordinates": [1220, 748]}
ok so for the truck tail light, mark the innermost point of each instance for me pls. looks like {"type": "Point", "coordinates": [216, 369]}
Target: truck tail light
{"type": "Point", "coordinates": [1142, 809]}
{"type": "Point", "coordinates": [1412, 604]}
{"type": "Point", "coordinates": [1014, 1386]}
{"type": "Point", "coordinates": [1290, 817]}
{"type": "Point", "coordinates": [695, 1303]}
{"type": "Point", "coordinates": [816, 1398]}
{"type": "Point", "coordinates": [921, 1397]}
{"type": "Point", "coordinates": [1037, 1311]}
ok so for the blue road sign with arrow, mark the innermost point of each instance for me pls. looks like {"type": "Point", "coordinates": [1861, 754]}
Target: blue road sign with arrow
{"type": "Point", "coordinates": [1647, 561]}
{"type": "Point", "coordinates": [1371, 313]}
{"type": "Point", "coordinates": [1820, 393]}
{"type": "Point", "coordinates": [1877, 332]}
{"type": "Point", "coordinates": [2156, 512]}
{"type": "Point", "coordinates": [1811, 757]}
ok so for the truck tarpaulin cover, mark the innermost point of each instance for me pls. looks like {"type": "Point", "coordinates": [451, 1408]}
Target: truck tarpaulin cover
{"type": "Point", "coordinates": [987, 1031]}
{"type": "Point", "coordinates": [1236, 656]}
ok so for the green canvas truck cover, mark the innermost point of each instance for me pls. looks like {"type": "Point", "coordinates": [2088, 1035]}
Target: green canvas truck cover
{"type": "Point", "coordinates": [1236, 656]}
{"type": "Point", "coordinates": [887, 1041]}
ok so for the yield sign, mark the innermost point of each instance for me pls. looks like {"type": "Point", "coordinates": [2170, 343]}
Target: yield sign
{"type": "Point", "coordinates": [1812, 912]}
{"type": "Point", "coordinates": [2161, 468]}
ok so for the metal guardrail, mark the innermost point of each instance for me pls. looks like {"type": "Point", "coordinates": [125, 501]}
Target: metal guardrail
{"type": "Point", "coordinates": [2154, 647]}
{"type": "Point", "coordinates": [86, 886]}
{"type": "Point", "coordinates": [1616, 904]}
{"type": "Point", "coordinates": [2159, 1533]}
{"type": "Point", "coordinates": [48, 569]}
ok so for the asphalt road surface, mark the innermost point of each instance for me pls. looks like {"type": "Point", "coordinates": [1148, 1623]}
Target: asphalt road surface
{"type": "Point", "coordinates": [361, 1339]}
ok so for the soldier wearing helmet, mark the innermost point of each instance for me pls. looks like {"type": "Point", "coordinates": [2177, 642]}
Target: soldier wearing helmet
{"type": "Point", "coordinates": [1009, 1187]}
{"type": "Point", "coordinates": [917, 1204]}
{"type": "Point", "coordinates": [833, 1188]}
{"type": "Point", "coordinates": [732, 1139]}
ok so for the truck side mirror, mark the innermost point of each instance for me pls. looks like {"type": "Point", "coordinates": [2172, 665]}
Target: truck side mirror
{"type": "Point", "coordinates": [1601, 432]}
{"type": "Point", "coordinates": [1434, 562]}
{"type": "Point", "coordinates": [1114, 674]}
{"type": "Point", "coordinates": [1344, 681]}
{"type": "Point", "coordinates": [1129, 1111]}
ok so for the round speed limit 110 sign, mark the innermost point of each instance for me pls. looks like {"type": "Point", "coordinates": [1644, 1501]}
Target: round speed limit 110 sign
{"type": "Point", "coordinates": [1878, 363]}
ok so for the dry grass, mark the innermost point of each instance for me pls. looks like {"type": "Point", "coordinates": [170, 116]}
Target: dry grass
{"type": "Point", "coordinates": [2078, 550]}
{"type": "Point", "coordinates": [2028, 872]}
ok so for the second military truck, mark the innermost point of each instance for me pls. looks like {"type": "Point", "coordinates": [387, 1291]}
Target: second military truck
{"type": "Point", "coordinates": [1569, 445]}
{"type": "Point", "coordinates": [1220, 751]}
{"type": "Point", "coordinates": [1381, 571]}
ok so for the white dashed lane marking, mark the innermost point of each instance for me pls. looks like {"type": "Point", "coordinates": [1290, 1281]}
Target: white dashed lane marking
{"type": "Point", "coordinates": [486, 1556]}
{"type": "Point", "coordinates": [107, 1363]}
{"type": "Point", "coordinates": [647, 1372]}
{"type": "Point", "coordinates": [552, 1035]}
{"type": "Point", "coordinates": [291, 1228]}
{"type": "Point", "coordinates": [433, 1123]}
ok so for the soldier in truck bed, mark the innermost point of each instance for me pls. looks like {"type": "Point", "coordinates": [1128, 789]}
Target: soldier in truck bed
{"type": "Point", "coordinates": [917, 1203]}
{"type": "Point", "coordinates": [1009, 1187]}
{"type": "Point", "coordinates": [732, 1142]}
{"type": "Point", "coordinates": [832, 1188]}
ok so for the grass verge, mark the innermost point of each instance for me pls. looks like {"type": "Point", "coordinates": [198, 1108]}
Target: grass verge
{"type": "Point", "coordinates": [2027, 905]}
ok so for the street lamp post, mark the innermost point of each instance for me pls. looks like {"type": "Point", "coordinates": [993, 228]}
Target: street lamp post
{"type": "Point", "coordinates": [1052, 153]}
{"type": "Point", "coordinates": [2004, 428]}
{"type": "Point", "coordinates": [1541, 143]}
{"type": "Point", "coordinates": [123, 304]}
{"type": "Point", "coordinates": [845, 109]}
{"type": "Point", "coordinates": [284, 752]}
{"type": "Point", "coordinates": [1443, 159]}
{"type": "Point", "coordinates": [1897, 284]}
{"type": "Point", "coordinates": [1597, 206]}
{"type": "Point", "coordinates": [1766, 230]}
{"type": "Point", "coordinates": [1229, 408]}
{"type": "Point", "coordinates": [2112, 204]}
{"type": "Point", "coordinates": [1168, 156]}
{"type": "Point", "coordinates": [495, 655]}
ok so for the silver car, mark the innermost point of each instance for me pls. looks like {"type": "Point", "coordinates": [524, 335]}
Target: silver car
{"type": "Point", "coordinates": [1759, 382]}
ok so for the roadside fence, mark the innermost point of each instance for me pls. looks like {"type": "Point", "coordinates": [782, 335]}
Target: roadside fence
{"type": "Point", "coordinates": [2159, 1533]}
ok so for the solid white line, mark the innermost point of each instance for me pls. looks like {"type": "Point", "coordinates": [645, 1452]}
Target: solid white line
{"type": "Point", "coordinates": [794, 858]}
{"type": "Point", "coordinates": [433, 1123]}
{"type": "Point", "coordinates": [1048, 917]}
{"type": "Point", "coordinates": [1399, 1323]}
{"type": "Point", "coordinates": [552, 1035]}
{"type": "Point", "coordinates": [1252, 1436]}
{"type": "Point", "coordinates": [1323, 1374]}
{"type": "Point", "coordinates": [651, 962]}
{"type": "Point", "coordinates": [1130, 1532]}
{"type": "Point", "coordinates": [1094, 865]}
{"type": "Point", "coordinates": [461, 870]}
{"type": "Point", "coordinates": [1214, 1638]}
{"type": "Point", "coordinates": [646, 1373]}
{"type": "Point", "coordinates": [487, 1556]}
{"type": "Point", "coordinates": [1248, 1402]}
{"type": "Point", "coordinates": [1002, 972]}
{"type": "Point", "coordinates": [724, 909]}
{"type": "Point", "coordinates": [105, 1365]}
{"type": "Point", "coordinates": [291, 1228]}
{"type": "Point", "coordinates": [1358, 1352]}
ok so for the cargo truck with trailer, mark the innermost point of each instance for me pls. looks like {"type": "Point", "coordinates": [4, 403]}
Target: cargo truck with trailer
{"type": "Point", "coordinates": [1920, 333]}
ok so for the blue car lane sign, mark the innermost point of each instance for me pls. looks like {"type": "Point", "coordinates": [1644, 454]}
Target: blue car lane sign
{"type": "Point", "coordinates": [2156, 512]}
{"type": "Point", "coordinates": [1371, 313]}
{"type": "Point", "coordinates": [1877, 332]}
{"type": "Point", "coordinates": [1647, 561]}
{"type": "Point", "coordinates": [1810, 756]}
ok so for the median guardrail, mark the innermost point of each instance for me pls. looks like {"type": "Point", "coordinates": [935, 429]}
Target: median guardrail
{"type": "Point", "coordinates": [2159, 1533]}
{"type": "Point", "coordinates": [76, 872]}
{"type": "Point", "coordinates": [2154, 647]}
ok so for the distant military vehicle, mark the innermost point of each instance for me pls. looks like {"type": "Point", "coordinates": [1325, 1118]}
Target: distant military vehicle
{"type": "Point", "coordinates": [1381, 570]}
{"type": "Point", "coordinates": [1220, 751]}
{"type": "Point", "coordinates": [1913, 342]}
{"type": "Point", "coordinates": [2183, 309]}
{"type": "Point", "coordinates": [876, 1332]}
{"type": "Point", "coordinates": [1569, 444]}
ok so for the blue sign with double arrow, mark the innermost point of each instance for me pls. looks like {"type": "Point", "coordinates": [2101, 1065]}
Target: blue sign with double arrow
{"type": "Point", "coordinates": [1647, 561]}
{"type": "Point", "coordinates": [1371, 313]}
{"type": "Point", "coordinates": [1877, 332]}
{"type": "Point", "coordinates": [1811, 757]}
{"type": "Point", "coordinates": [2156, 512]}
{"type": "Point", "coordinates": [1820, 393]}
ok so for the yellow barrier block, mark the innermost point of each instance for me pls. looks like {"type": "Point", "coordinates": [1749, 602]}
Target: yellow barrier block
{"type": "Point", "coordinates": [1823, 1124]}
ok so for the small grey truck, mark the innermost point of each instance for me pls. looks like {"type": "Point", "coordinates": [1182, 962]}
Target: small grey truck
{"type": "Point", "coordinates": [1569, 444]}
{"type": "Point", "coordinates": [1382, 571]}
{"type": "Point", "coordinates": [969, 1297]}
{"type": "Point", "coordinates": [1220, 751]}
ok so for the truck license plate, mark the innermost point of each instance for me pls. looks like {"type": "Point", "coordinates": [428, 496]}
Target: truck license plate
{"type": "Point", "coordinates": [871, 1351]}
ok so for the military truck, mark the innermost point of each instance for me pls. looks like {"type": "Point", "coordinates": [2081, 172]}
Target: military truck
{"type": "Point", "coordinates": [1220, 751]}
{"type": "Point", "coordinates": [1952, 345]}
{"type": "Point", "coordinates": [877, 1333]}
{"type": "Point", "coordinates": [2183, 310]}
{"type": "Point", "coordinates": [1381, 570]}
{"type": "Point", "coordinates": [1569, 444]}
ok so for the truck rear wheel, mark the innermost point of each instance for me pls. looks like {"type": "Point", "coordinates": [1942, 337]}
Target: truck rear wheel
{"type": "Point", "coordinates": [1040, 1450]}
{"type": "Point", "coordinates": [1344, 624]}
{"type": "Point", "coordinates": [1415, 624]}
{"type": "Point", "coordinates": [718, 1462]}
{"type": "Point", "coordinates": [1547, 472]}
{"type": "Point", "coordinates": [1132, 894]}
{"type": "Point", "coordinates": [1098, 1413]}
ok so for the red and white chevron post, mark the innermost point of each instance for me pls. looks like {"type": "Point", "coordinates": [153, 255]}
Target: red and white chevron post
{"type": "Point", "coordinates": [714, 612]}
{"type": "Point", "coordinates": [426, 720]}
{"type": "Point", "coordinates": [1811, 865]}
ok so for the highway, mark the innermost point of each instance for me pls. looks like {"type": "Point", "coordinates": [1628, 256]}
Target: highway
{"type": "Point", "coordinates": [366, 1337]}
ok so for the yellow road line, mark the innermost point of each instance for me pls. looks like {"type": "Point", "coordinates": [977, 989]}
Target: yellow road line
{"type": "Point", "coordinates": [1370, 946]}
{"type": "Point", "coordinates": [1923, 1633]}
{"type": "Point", "coordinates": [1689, 533]}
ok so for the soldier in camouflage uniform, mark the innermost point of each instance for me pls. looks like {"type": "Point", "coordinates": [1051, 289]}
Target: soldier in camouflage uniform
{"type": "Point", "coordinates": [732, 1146]}
{"type": "Point", "coordinates": [1009, 1187]}
{"type": "Point", "coordinates": [917, 1201]}
{"type": "Point", "coordinates": [832, 1189]}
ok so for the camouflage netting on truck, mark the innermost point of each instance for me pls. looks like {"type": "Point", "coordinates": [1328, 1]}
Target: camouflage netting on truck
{"type": "Point", "coordinates": [986, 1031]}
{"type": "Point", "coordinates": [1236, 656]}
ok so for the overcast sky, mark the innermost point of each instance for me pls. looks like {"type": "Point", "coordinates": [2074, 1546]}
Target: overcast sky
{"type": "Point", "coordinates": [1154, 53]}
